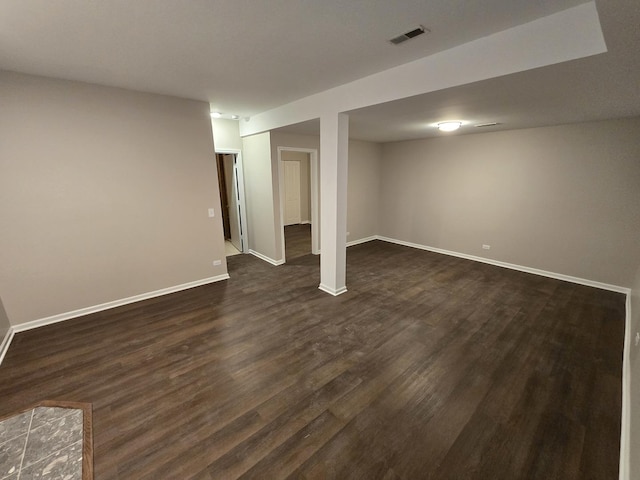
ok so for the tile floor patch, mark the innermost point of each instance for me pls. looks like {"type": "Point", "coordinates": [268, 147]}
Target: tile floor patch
{"type": "Point", "coordinates": [65, 464]}
{"type": "Point", "coordinates": [43, 415]}
{"type": "Point", "coordinates": [11, 455]}
{"type": "Point", "coordinates": [14, 426]}
{"type": "Point", "coordinates": [50, 437]}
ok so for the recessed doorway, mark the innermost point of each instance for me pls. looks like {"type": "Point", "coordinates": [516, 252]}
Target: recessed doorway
{"type": "Point", "coordinates": [231, 186]}
{"type": "Point", "coordinates": [298, 179]}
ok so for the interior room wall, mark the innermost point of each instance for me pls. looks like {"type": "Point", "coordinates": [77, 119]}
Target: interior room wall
{"type": "Point", "coordinates": [104, 195]}
{"type": "Point", "coordinates": [634, 373]}
{"type": "Point", "coordinates": [226, 134]}
{"type": "Point", "coordinates": [4, 322]}
{"type": "Point", "coordinates": [260, 196]}
{"type": "Point", "coordinates": [284, 139]}
{"type": "Point", "coordinates": [363, 189]}
{"type": "Point", "coordinates": [553, 198]}
{"type": "Point", "coordinates": [305, 182]}
{"type": "Point", "coordinates": [363, 182]}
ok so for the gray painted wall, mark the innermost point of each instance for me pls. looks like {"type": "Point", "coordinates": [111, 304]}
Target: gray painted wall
{"type": "Point", "coordinates": [634, 371]}
{"type": "Point", "coordinates": [4, 322]}
{"type": "Point", "coordinates": [103, 195]}
{"type": "Point", "coordinates": [226, 134]}
{"type": "Point", "coordinates": [363, 189]}
{"type": "Point", "coordinates": [561, 199]}
{"type": "Point", "coordinates": [260, 195]}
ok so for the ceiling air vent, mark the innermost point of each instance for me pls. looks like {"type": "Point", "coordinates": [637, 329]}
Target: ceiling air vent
{"type": "Point", "coordinates": [409, 35]}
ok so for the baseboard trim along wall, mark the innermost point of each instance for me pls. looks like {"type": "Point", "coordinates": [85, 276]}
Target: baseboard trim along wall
{"type": "Point", "coordinates": [266, 259]}
{"type": "Point", "coordinates": [361, 240]}
{"type": "Point", "coordinates": [332, 291]}
{"type": "Point", "coordinates": [22, 327]}
{"type": "Point", "coordinates": [116, 303]}
{"type": "Point", "coordinates": [511, 266]}
{"type": "Point", "coordinates": [6, 341]}
{"type": "Point", "coordinates": [625, 429]}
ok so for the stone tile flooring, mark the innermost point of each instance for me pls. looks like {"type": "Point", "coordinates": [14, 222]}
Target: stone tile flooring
{"type": "Point", "coordinates": [42, 443]}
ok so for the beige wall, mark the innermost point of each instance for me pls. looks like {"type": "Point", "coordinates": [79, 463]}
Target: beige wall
{"type": "Point", "coordinates": [634, 371]}
{"type": "Point", "coordinates": [4, 322]}
{"type": "Point", "coordinates": [554, 198]}
{"type": "Point", "coordinates": [260, 195]}
{"type": "Point", "coordinates": [283, 139]}
{"type": "Point", "coordinates": [226, 134]}
{"type": "Point", "coordinates": [103, 195]}
{"type": "Point", "coordinates": [363, 189]}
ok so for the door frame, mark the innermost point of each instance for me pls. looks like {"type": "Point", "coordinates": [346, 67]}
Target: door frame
{"type": "Point", "coordinates": [313, 174]}
{"type": "Point", "coordinates": [287, 207]}
{"type": "Point", "coordinates": [239, 171]}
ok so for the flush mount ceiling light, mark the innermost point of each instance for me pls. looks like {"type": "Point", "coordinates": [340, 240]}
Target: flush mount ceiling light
{"type": "Point", "coordinates": [226, 116]}
{"type": "Point", "coordinates": [449, 126]}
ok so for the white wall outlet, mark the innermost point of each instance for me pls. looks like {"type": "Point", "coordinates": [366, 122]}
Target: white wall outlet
{"type": "Point", "coordinates": [217, 263]}
{"type": "Point", "coordinates": [486, 247]}
{"type": "Point", "coordinates": [637, 338]}
{"type": "Point", "coordinates": [211, 213]}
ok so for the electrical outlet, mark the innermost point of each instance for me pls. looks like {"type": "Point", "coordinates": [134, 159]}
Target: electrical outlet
{"type": "Point", "coordinates": [211, 213]}
{"type": "Point", "coordinates": [486, 247]}
{"type": "Point", "coordinates": [217, 263]}
{"type": "Point", "coordinates": [637, 338]}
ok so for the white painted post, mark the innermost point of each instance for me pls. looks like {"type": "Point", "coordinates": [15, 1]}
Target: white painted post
{"type": "Point", "coordinates": [334, 160]}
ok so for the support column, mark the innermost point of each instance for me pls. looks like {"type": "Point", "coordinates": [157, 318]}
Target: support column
{"type": "Point", "coordinates": [334, 160]}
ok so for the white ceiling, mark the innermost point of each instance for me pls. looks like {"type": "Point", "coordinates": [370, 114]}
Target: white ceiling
{"type": "Point", "coordinates": [595, 88]}
{"type": "Point", "coordinates": [245, 57]}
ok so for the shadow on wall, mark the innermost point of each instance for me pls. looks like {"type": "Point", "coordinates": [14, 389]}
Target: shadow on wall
{"type": "Point", "coordinates": [634, 378]}
{"type": "Point", "coordinates": [4, 321]}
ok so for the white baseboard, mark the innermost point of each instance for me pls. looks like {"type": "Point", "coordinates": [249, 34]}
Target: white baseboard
{"type": "Point", "coordinates": [511, 266]}
{"type": "Point", "coordinates": [305, 222]}
{"type": "Point", "coordinates": [266, 259]}
{"type": "Point", "coordinates": [116, 303]}
{"type": "Point", "coordinates": [332, 291]}
{"type": "Point", "coordinates": [625, 430]}
{"type": "Point", "coordinates": [6, 341]}
{"type": "Point", "coordinates": [361, 240]}
{"type": "Point", "coordinates": [356, 242]}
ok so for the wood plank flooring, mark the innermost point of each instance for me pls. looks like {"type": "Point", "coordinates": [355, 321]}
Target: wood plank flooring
{"type": "Point", "coordinates": [429, 367]}
{"type": "Point", "coordinates": [297, 240]}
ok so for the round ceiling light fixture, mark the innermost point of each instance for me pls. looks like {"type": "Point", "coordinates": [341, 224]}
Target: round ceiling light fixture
{"type": "Point", "coordinates": [216, 115]}
{"type": "Point", "coordinates": [449, 126]}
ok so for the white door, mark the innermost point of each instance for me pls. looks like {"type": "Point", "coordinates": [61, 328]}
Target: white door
{"type": "Point", "coordinates": [291, 192]}
{"type": "Point", "coordinates": [232, 199]}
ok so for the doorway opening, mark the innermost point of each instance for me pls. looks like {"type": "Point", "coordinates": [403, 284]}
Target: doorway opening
{"type": "Point", "coordinates": [231, 186]}
{"type": "Point", "coordinates": [298, 179]}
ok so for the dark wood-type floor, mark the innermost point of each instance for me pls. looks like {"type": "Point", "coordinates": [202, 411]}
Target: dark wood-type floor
{"type": "Point", "coordinates": [297, 240]}
{"type": "Point", "coordinates": [428, 367]}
